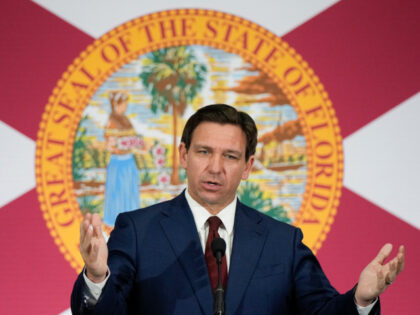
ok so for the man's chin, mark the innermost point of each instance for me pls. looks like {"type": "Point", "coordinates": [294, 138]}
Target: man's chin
{"type": "Point", "coordinates": [214, 202]}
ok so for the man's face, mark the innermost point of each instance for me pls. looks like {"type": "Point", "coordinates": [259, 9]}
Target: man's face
{"type": "Point", "coordinates": [215, 164]}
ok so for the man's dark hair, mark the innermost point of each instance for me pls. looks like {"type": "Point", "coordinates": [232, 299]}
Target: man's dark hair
{"type": "Point", "coordinates": [223, 114]}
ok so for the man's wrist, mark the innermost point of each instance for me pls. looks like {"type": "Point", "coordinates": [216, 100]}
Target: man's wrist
{"type": "Point", "coordinates": [364, 303]}
{"type": "Point", "coordinates": [360, 301]}
{"type": "Point", "coordinates": [95, 278]}
{"type": "Point", "coordinates": [94, 290]}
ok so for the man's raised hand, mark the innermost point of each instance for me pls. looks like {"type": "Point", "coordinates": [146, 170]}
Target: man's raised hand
{"type": "Point", "coordinates": [93, 247]}
{"type": "Point", "coordinates": [377, 275]}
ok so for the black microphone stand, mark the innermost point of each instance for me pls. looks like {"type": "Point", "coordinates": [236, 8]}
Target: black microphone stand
{"type": "Point", "coordinates": [219, 292]}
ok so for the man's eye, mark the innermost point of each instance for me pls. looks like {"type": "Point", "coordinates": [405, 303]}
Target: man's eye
{"type": "Point", "coordinates": [231, 157]}
{"type": "Point", "coordinates": [203, 151]}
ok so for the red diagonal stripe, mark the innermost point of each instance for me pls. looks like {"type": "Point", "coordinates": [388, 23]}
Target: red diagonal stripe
{"type": "Point", "coordinates": [35, 277]}
{"type": "Point", "coordinates": [36, 49]}
{"type": "Point", "coordinates": [366, 54]}
{"type": "Point", "coordinates": [360, 229]}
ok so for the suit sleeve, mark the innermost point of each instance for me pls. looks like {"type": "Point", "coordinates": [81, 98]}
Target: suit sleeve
{"type": "Point", "coordinates": [314, 293]}
{"type": "Point", "coordinates": [121, 262]}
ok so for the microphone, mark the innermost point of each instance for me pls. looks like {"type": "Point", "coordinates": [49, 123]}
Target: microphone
{"type": "Point", "coordinates": [218, 247]}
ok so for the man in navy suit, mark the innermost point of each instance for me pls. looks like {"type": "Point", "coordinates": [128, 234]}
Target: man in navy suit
{"type": "Point", "coordinates": [154, 261]}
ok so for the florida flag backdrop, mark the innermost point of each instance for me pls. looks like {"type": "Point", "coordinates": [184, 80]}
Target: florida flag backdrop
{"type": "Point", "coordinates": [333, 87]}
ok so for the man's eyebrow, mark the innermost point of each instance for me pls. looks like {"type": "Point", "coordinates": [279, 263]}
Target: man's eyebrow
{"type": "Point", "coordinates": [201, 146]}
{"type": "Point", "coordinates": [235, 152]}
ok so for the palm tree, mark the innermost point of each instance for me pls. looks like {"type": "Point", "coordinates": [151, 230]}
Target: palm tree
{"type": "Point", "coordinates": [173, 76]}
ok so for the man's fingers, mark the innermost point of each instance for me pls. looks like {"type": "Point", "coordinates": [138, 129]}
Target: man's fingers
{"type": "Point", "coordinates": [97, 224]}
{"type": "Point", "coordinates": [392, 273]}
{"type": "Point", "coordinates": [98, 231]}
{"type": "Point", "coordinates": [85, 243]}
{"type": "Point", "coordinates": [84, 225]}
{"type": "Point", "coordinates": [96, 219]}
{"type": "Point", "coordinates": [380, 274]}
{"type": "Point", "coordinates": [401, 259]}
{"type": "Point", "coordinates": [92, 244]}
{"type": "Point", "coordinates": [87, 233]}
{"type": "Point", "coordinates": [395, 266]}
{"type": "Point", "coordinates": [383, 253]}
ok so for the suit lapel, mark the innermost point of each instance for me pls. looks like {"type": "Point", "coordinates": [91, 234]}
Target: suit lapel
{"type": "Point", "coordinates": [181, 232]}
{"type": "Point", "coordinates": [249, 239]}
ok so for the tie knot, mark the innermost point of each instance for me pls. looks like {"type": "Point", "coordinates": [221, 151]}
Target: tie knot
{"type": "Point", "coordinates": [214, 223]}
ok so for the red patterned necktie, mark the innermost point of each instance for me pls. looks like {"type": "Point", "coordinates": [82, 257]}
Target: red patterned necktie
{"type": "Point", "coordinates": [214, 224]}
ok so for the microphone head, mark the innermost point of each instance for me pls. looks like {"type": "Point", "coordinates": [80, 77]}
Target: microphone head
{"type": "Point", "coordinates": [218, 246]}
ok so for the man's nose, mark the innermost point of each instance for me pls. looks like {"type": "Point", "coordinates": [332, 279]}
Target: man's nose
{"type": "Point", "coordinates": [215, 163]}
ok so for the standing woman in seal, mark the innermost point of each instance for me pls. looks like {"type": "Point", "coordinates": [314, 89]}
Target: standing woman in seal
{"type": "Point", "coordinates": [122, 187]}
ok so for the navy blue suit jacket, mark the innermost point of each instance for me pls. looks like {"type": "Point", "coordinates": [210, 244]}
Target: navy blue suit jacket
{"type": "Point", "coordinates": [158, 267]}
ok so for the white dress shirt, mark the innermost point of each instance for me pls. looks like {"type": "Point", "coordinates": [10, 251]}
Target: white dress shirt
{"type": "Point", "coordinates": [227, 216]}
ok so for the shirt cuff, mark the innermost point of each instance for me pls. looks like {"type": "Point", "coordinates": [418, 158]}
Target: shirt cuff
{"type": "Point", "coordinates": [95, 288]}
{"type": "Point", "coordinates": [364, 310]}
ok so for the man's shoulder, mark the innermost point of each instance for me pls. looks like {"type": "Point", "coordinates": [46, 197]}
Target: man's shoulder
{"type": "Point", "coordinates": [160, 208]}
{"type": "Point", "coordinates": [266, 220]}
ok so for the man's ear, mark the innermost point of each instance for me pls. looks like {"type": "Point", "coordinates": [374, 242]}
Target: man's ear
{"type": "Point", "coordinates": [248, 167]}
{"type": "Point", "coordinates": [182, 155]}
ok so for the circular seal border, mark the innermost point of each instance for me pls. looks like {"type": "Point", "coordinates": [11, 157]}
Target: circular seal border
{"type": "Point", "coordinates": [66, 166]}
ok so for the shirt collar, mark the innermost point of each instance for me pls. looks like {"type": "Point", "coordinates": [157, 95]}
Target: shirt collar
{"type": "Point", "coordinates": [200, 214]}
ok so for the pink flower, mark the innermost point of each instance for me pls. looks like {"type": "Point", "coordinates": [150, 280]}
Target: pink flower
{"type": "Point", "coordinates": [138, 142]}
{"type": "Point", "coordinates": [163, 179]}
{"type": "Point", "coordinates": [159, 161]}
{"type": "Point", "coordinates": [158, 150]}
{"type": "Point", "coordinates": [130, 142]}
{"type": "Point", "coordinates": [123, 143]}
